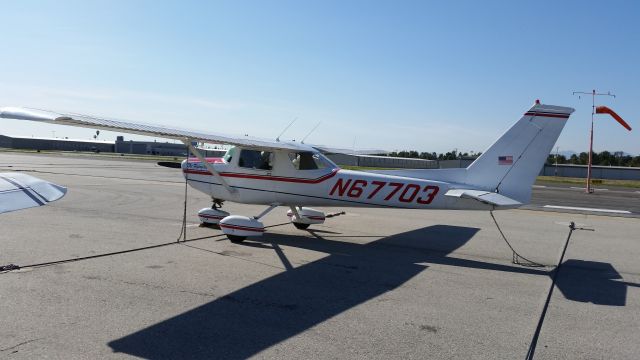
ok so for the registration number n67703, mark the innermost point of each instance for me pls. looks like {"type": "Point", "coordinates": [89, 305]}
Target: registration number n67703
{"type": "Point", "coordinates": [387, 191]}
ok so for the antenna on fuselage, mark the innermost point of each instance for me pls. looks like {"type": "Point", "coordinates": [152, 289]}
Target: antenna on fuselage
{"type": "Point", "coordinates": [285, 129]}
{"type": "Point", "coordinates": [310, 132]}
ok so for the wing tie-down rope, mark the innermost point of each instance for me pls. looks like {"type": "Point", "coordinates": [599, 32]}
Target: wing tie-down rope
{"type": "Point", "coordinates": [183, 229]}
{"type": "Point", "coordinates": [515, 256]}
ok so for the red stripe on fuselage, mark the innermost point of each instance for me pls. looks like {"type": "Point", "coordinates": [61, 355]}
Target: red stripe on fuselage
{"type": "Point", "coordinates": [268, 177]}
{"type": "Point", "coordinates": [211, 160]}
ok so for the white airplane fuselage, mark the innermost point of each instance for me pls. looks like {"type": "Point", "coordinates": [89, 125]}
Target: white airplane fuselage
{"type": "Point", "coordinates": [297, 175]}
{"type": "Point", "coordinates": [328, 186]}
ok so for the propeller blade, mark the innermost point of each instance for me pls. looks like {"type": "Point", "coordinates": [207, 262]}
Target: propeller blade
{"type": "Point", "coordinates": [170, 164]}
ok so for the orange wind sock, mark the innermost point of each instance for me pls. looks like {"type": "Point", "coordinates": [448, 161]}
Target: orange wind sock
{"type": "Point", "coordinates": [606, 110]}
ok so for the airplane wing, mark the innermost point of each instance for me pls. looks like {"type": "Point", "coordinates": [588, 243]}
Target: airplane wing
{"type": "Point", "coordinates": [21, 191]}
{"type": "Point", "coordinates": [91, 122]}
{"type": "Point", "coordinates": [485, 197]}
{"type": "Point", "coordinates": [52, 117]}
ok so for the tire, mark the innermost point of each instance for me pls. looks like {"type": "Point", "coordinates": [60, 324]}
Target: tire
{"type": "Point", "coordinates": [236, 239]}
{"type": "Point", "coordinates": [209, 225]}
{"type": "Point", "coordinates": [301, 226]}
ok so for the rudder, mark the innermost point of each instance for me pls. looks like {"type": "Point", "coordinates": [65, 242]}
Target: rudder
{"type": "Point", "coordinates": [511, 165]}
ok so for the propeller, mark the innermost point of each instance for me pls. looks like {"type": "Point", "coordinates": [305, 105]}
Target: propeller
{"type": "Point", "coordinates": [170, 164]}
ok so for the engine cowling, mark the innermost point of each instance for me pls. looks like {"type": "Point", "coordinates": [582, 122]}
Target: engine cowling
{"type": "Point", "coordinates": [241, 226]}
{"type": "Point", "coordinates": [307, 216]}
{"type": "Point", "coordinates": [211, 216]}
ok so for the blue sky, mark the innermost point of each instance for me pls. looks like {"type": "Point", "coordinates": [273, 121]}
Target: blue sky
{"type": "Point", "coordinates": [429, 76]}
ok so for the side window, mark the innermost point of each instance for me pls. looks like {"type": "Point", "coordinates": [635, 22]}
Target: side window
{"type": "Point", "coordinates": [255, 159]}
{"type": "Point", "coordinates": [306, 161]}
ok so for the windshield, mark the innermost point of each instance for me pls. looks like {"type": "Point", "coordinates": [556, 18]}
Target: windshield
{"type": "Point", "coordinates": [229, 154]}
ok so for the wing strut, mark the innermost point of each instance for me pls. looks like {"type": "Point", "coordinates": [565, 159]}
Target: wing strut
{"type": "Point", "coordinates": [207, 165]}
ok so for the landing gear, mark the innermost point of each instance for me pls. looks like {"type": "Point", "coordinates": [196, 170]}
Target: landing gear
{"type": "Point", "coordinates": [236, 239]}
{"type": "Point", "coordinates": [303, 217]}
{"type": "Point", "coordinates": [301, 226]}
{"type": "Point", "coordinates": [212, 216]}
{"type": "Point", "coordinates": [238, 228]}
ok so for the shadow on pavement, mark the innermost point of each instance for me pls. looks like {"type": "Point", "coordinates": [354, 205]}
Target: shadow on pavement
{"type": "Point", "coordinates": [247, 321]}
{"type": "Point", "coordinates": [592, 282]}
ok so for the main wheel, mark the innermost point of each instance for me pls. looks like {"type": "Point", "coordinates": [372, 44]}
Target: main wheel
{"type": "Point", "coordinates": [236, 239]}
{"type": "Point", "coordinates": [301, 226]}
{"type": "Point", "coordinates": [210, 225]}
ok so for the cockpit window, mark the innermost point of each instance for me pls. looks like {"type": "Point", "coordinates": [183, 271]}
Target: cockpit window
{"type": "Point", "coordinates": [255, 159]}
{"type": "Point", "coordinates": [230, 154]}
{"type": "Point", "coordinates": [308, 161]}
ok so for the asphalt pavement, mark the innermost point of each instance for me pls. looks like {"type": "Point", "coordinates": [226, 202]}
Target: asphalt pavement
{"type": "Point", "coordinates": [373, 283]}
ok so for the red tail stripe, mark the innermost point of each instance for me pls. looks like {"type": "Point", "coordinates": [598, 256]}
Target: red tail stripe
{"type": "Point", "coordinates": [547, 114]}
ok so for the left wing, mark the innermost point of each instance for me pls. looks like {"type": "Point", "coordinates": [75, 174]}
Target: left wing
{"type": "Point", "coordinates": [21, 191]}
{"type": "Point", "coordinates": [92, 122]}
{"type": "Point", "coordinates": [142, 129]}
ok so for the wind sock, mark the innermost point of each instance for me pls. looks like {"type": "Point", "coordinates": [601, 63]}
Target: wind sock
{"type": "Point", "coordinates": [606, 110]}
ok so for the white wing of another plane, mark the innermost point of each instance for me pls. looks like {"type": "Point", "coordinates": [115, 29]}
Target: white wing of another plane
{"type": "Point", "coordinates": [21, 191]}
{"type": "Point", "coordinates": [92, 122]}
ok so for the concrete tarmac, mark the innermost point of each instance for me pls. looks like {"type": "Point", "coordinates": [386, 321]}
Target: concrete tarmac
{"type": "Point", "coordinates": [374, 283]}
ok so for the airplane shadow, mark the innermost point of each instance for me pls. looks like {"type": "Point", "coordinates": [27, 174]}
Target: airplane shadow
{"type": "Point", "coordinates": [247, 321]}
{"type": "Point", "coordinates": [592, 282]}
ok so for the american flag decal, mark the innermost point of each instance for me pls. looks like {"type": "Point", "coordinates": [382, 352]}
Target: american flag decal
{"type": "Point", "coordinates": [505, 160]}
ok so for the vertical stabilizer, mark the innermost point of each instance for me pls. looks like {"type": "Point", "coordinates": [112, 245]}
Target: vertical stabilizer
{"type": "Point", "coordinates": [511, 165]}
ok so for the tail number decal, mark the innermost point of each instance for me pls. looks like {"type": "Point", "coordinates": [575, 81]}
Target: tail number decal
{"type": "Point", "coordinates": [406, 193]}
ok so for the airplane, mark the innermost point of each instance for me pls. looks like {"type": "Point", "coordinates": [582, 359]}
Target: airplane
{"type": "Point", "coordinates": [298, 175]}
{"type": "Point", "coordinates": [21, 191]}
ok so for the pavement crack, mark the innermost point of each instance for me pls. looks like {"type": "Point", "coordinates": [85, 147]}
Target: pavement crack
{"type": "Point", "coordinates": [20, 344]}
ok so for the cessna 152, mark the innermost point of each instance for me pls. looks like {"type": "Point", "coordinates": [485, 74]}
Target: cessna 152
{"type": "Point", "coordinates": [296, 175]}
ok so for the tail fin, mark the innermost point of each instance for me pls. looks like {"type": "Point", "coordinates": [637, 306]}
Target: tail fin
{"type": "Point", "coordinates": [511, 164]}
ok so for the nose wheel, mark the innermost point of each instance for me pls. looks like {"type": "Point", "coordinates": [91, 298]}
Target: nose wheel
{"type": "Point", "coordinates": [303, 217]}
{"type": "Point", "coordinates": [236, 239]}
{"type": "Point", "coordinates": [301, 226]}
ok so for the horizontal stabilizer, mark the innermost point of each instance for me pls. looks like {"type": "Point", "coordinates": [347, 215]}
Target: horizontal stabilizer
{"type": "Point", "coordinates": [485, 197]}
{"type": "Point", "coordinates": [21, 191]}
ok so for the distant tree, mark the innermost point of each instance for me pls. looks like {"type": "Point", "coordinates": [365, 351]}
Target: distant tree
{"type": "Point", "coordinates": [583, 158]}
{"type": "Point", "coordinates": [604, 158]}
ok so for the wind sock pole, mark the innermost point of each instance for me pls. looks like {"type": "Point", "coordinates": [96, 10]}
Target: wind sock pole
{"type": "Point", "coordinates": [593, 112]}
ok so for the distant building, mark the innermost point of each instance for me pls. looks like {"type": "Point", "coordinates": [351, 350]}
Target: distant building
{"type": "Point", "coordinates": [121, 146]}
{"type": "Point", "coordinates": [149, 147]}
{"type": "Point", "coordinates": [382, 161]}
{"type": "Point", "coordinates": [38, 143]}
